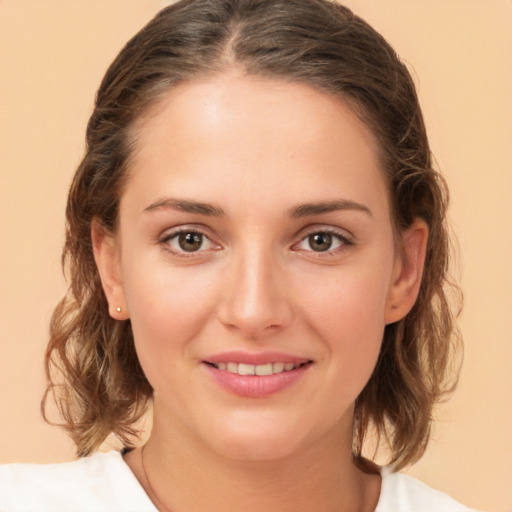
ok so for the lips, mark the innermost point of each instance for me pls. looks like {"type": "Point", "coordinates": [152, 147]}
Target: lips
{"type": "Point", "coordinates": [256, 375]}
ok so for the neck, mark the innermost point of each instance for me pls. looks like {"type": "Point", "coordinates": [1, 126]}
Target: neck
{"type": "Point", "coordinates": [183, 475]}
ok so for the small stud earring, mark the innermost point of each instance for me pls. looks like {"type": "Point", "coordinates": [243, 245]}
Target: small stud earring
{"type": "Point", "coordinates": [118, 309]}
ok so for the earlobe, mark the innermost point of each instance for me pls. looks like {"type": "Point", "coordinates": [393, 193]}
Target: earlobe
{"type": "Point", "coordinates": [106, 256]}
{"type": "Point", "coordinates": [407, 273]}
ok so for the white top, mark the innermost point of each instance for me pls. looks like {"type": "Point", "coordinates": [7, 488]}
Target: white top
{"type": "Point", "coordinates": [104, 483]}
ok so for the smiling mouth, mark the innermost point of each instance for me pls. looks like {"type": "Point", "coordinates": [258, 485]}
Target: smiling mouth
{"type": "Point", "coordinates": [258, 369]}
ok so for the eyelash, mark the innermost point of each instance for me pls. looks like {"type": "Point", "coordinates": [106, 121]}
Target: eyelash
{"type": "Point", "coordinates": [164, 242]}
{"type": "Point", "coordinates": [345, 242]}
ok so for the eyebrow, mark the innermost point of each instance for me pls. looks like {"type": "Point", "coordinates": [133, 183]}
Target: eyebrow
{"type": "Point", "coordinates": [307, 209]}
{"type": "Point", "coordinates": [187, 206]}
{"type": "Point", "coordinates": [302, 210]}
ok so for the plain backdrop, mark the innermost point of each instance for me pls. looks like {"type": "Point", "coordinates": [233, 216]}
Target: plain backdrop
{"type": "Point", "coordinates": [52, 57]}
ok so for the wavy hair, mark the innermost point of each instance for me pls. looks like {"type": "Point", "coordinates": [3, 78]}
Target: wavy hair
{"type": "Point", "coordinates": [92, 368]}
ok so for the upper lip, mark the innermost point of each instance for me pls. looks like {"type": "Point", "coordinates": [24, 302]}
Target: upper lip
{"type": "Point", "coordinates": [255, 358]}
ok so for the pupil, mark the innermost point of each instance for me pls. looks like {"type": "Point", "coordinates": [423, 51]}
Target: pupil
{"type": "Point", "coordinates": [190, 241]}
{"type": "Point", "coordinates": [320, 241]}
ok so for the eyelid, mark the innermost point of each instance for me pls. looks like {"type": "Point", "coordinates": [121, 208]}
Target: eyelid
{"type": "Point", "coordinates": [172, 234]}
{"type": "Point", "coordinates": [343, 236]}
{"type": "Point", "coordinates": [346, 239]}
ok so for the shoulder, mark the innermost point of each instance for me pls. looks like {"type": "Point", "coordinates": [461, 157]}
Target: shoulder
{"type": "Point", "coordinates": [101, 482]}
{"type": "Point", "coordinates": [403, 493]}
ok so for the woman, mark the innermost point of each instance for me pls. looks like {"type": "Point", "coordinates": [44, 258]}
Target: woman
{"type": "Point", "coordinates": [256, 245]}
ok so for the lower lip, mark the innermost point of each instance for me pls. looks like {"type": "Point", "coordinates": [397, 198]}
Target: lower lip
{"type": "Point", "coordinates": [256, 386]}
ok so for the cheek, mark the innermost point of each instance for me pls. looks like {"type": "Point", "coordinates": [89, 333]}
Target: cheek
{"type": "Point", "coordinates": [349, 316]}
{"type": "Point", "coordinates": [167, 310]}
{"type": "Point", "coordinates": [351, 302]}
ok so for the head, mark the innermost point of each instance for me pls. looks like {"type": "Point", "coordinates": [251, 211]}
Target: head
{"type": "Point", "coordinates": [315, 44]}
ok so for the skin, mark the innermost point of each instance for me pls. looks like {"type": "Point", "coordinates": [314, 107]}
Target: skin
{"type": "Point", "coordinates": [256, 149]}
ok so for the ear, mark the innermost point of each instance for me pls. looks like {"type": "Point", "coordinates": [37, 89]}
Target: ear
{"type": "Point", "coordinates": [407, 271]}
{"type": "Point", "coordinates": [106, 255]}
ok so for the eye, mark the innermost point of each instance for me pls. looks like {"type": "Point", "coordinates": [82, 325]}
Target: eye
{"type": "Point", "coordinates": [323, 241]}
{"type": "Point", "coordinates": [187, 241]}
{"type": "Point", "coordinates": [190, 242]}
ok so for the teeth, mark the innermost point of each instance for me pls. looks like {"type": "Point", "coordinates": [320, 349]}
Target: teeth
{"type": "Point", "coordinates": [278, 367]}
{"type": "Point", "coordinates": [257, 369]}
{"type": "Point", "coordinates": [264, 369]}
{"type": "Point", "coordinates": [246, 369]}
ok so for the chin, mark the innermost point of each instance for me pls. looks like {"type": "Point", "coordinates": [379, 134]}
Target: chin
{"type": "Point", "coordinates": [257, 442]}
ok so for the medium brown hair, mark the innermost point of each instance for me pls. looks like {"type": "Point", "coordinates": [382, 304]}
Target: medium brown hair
{"type": "Point", "coordinates": [91, 363]}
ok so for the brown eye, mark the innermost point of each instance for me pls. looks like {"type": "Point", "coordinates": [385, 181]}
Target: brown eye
{"type": "Point", "coordinates": [190, 242]}
{"type": "Point", "coordinates": [323, 242]}
{"type": "Point", "coordinates": [320, 242]}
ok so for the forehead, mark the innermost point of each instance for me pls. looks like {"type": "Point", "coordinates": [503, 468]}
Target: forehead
{"type": "Point", "coordinates": [257, 136]}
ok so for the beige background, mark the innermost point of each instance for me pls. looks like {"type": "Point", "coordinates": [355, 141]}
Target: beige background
{"type": "Point", "coordinates": [52, 57]}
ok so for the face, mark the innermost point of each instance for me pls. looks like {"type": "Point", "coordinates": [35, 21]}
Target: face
{"type": "Point", "coordinates": [255, 259]}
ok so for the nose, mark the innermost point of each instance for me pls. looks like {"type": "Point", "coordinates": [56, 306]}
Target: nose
{"type": "Point", "coordinates": [256, 301]}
